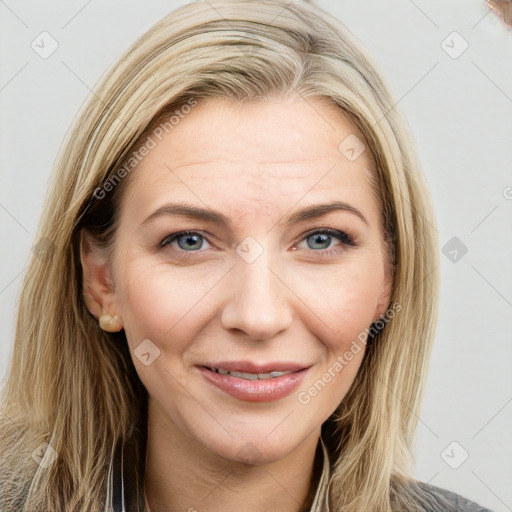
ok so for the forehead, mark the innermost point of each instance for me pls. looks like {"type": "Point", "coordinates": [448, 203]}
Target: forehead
{"type": "Point", "coordinates": [254, 155]}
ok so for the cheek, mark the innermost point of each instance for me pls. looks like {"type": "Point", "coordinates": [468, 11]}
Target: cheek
{"type": "Point", "coordinates": [342, 297]}
{"type": "Point", "coordinates": [343, 301]}
{"type": "Point", "coordinates": [166, 306]}
{"type": "Point", "coordinates": [159, 302]}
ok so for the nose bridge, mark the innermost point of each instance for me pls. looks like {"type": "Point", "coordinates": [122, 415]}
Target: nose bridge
{"type": "Point", "coordinates": [258, 280]}
{"type": "Point", "coordinates": [258, 301]}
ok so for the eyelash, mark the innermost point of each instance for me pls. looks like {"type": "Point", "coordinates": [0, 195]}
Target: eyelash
{"type": "Point", "coordinates": [340, 235]}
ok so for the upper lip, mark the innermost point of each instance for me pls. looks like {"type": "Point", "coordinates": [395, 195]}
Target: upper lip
{"type": "Point", "coordinates": [251, 367]}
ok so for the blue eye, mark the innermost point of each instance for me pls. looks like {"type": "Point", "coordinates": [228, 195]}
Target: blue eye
{"type": "Point", "coordinates": [322, 239]}
{"type": "Point", "coordinates": [189, 241]}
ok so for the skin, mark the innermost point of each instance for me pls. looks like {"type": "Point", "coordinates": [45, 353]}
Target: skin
{"type": "Point", "coordinates": [302, 299]}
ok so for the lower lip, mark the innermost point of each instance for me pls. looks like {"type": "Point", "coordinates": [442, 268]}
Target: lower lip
{"type": "Point", "coordinates": [255, 390]}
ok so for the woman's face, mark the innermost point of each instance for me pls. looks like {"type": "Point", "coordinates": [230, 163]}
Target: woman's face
{"type": "Point", "coordinates": [268, 278]}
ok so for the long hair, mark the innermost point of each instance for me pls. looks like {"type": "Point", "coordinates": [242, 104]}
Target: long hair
{"type": "Point", "coordinates": [72, 393]}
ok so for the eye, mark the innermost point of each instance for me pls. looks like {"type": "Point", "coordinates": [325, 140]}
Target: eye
{"type": "Point", "coordinates": [188, 241]}
{"type": "Point", "coordinates": [320, 240]}
{"type": "Point", "coordinates": [323, 238]}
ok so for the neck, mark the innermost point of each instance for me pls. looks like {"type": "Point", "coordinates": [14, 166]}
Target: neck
{"type": "Point", "coordinates": [182, 475]}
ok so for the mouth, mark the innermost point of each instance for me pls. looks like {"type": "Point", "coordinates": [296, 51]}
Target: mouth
{"type": "Point", "coordinates": [255, 383]}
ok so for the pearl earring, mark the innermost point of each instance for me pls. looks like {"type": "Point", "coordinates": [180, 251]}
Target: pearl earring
{"type": "Point", "coordinates": [110, 323]}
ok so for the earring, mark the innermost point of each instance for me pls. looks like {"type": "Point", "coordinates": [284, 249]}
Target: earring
{"type": "Point", "coordinates": [110, 323]}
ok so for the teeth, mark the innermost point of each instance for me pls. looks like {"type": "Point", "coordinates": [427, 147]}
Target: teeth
{"type": "Point", "coordinates": [252, 376]}
{"type": "Point", "coordinates": [243, 375]}
{"type": "Point", "coordinates": [277, 374]}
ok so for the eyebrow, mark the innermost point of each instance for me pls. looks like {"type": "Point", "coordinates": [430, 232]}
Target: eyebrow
{"type": "Point", "coordinates": [208, 215]}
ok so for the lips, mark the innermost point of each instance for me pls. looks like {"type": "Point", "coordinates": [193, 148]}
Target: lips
{"type": "Point", "coordinates": [253, 382]}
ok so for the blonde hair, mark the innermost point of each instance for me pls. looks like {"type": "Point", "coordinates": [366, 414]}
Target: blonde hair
{"type": "Point", "coordinates": [74, 386]}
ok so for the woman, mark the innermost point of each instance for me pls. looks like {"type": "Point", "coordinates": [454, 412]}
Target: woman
{"type": "Point", "coordinates": [237, 297]}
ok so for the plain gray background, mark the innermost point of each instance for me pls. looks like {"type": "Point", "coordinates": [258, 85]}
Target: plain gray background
{"type": "Point", "coordinates": [459, 107]}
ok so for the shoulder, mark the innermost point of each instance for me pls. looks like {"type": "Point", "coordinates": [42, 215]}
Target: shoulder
{"type": "Point", "coordinates": [452, 501]}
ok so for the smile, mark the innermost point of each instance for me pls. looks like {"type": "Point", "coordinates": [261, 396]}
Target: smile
{"type": "Point", "coordinates": [260, 384]}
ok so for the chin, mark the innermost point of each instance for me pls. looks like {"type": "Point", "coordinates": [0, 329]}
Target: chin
{"type": "Point", "coordinates": [256, 453]}
{"type": "Point", "coordinates": [261, 446]}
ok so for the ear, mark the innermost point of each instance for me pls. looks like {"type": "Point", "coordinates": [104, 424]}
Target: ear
{"type": "Point", "coordinates": [385, 295]}
{"type": "Point", "coordinates": [97, 282]}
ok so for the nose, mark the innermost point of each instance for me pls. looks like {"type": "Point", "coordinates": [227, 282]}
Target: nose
{"type": "Point", "coordinates": [258, 304]}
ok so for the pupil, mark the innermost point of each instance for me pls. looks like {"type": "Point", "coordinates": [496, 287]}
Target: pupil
{"type": "Point", "coordinates": [320, 238]}
{"type": "Point", "coordinates": [190, 241]}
